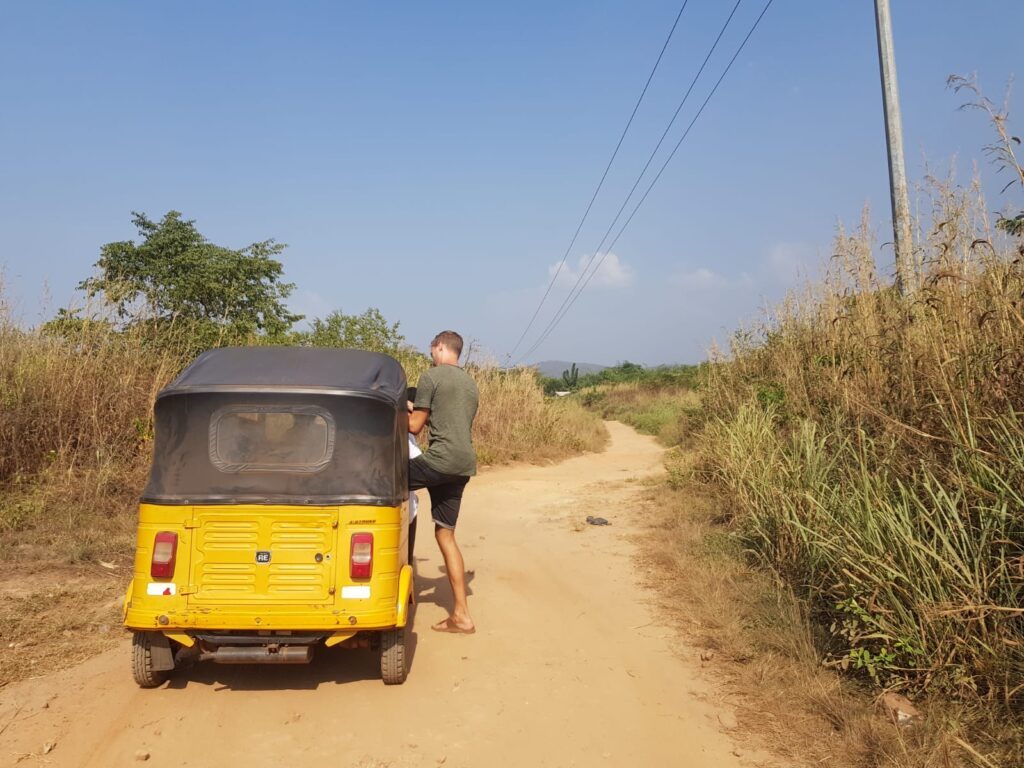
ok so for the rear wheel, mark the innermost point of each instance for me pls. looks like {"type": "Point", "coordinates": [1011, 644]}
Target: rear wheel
{"type": "Point", "coordinates": [142, 662]}
{"type": "Point", "coordinates": [393, 661]}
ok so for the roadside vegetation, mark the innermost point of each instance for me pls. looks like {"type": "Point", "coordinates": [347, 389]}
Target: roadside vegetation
{"type": "Point", "coordinates": [865, 451]}
{"type": "Point", "coordinates": [657, 401]}
{"type": "Point", "coordinates": [661, 376]}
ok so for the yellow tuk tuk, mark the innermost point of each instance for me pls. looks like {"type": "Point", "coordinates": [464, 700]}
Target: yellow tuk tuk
{"type": "Point", "coordinates": [275, 518]}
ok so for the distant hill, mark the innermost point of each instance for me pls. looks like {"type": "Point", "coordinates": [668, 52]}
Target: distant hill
{"type": "Point", "coordinates": [553, 369]}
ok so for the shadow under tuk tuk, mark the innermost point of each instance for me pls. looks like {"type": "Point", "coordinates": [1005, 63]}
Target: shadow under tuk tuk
{"type": "Point", "coordinates": [330, 666]}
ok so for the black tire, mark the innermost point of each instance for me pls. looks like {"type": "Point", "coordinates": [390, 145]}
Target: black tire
{"type": "Point", "coordinates": [393, 661]}
{"type": "Point", "coordinates": [142, 662]}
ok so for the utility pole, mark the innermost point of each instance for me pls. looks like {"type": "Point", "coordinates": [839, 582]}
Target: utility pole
{"type": "Point", "coordinates": [906, 273]}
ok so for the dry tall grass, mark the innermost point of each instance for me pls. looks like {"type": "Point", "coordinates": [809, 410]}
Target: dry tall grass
{"type": "Point", "coordinates": [517, 423]}
{"type": "Point", "coordinates": [873, 451]}
{"type": "Point", "coordinates": [75, 431]}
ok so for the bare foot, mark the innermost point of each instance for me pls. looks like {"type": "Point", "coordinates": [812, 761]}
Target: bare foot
{"type": "Point", "coordinates": [450, 625]}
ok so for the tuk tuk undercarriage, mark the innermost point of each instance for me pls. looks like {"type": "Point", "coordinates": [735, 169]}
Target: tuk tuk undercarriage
{"type": "Point", "coordinates": [155, 655]}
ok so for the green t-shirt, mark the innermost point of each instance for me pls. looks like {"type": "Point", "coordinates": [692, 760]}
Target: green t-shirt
{"type": "Point", "coordinates": [452, 397]}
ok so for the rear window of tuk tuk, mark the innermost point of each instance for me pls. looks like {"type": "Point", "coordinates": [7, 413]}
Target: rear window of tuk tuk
{"type": "Point", "coordinates": [271, 438]}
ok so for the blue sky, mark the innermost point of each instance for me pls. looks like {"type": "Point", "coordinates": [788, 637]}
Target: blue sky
{"type": "Point", "coordinates": [433, 159]}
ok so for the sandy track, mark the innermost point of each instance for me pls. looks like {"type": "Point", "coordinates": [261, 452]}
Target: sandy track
{"type": "Point", "coordinates": [569, 666]}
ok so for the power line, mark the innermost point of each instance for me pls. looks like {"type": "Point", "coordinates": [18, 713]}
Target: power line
{"type": "Point", "coordinates": [603, 177]}
{"type": "Point", "coordinates": [559, 315]}
{"type": "Point", "coordinates": [640, 176]}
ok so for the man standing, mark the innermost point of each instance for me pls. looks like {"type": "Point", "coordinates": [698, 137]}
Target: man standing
{"type": "Point", "coordinates": [446, 400]}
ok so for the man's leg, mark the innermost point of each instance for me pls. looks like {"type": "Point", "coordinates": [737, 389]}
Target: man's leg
{"type": "Point", "coordinates": [456, 568]}
{"type": "Point", "coordinates": [445, 503]}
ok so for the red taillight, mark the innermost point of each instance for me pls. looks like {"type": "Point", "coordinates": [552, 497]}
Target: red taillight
{"type": "Point", "coordinates": [361, 557]}
{"type": "Point", "coordinates": [165, 550]}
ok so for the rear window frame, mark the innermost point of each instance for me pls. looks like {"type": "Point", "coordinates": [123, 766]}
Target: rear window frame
{"type": "Point", "coordinates": [235, 468]}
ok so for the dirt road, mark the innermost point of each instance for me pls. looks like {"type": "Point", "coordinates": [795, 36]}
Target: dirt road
{"type": "Point", "coordinates": [569, 667]}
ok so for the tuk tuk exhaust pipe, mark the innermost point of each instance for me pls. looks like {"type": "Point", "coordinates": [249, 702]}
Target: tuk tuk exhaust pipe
{"type": "Point", "coordinates": [260, 654]}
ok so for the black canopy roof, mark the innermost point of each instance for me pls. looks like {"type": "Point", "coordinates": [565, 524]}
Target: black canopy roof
{"type": "Point", "coordinates": [293, 368]}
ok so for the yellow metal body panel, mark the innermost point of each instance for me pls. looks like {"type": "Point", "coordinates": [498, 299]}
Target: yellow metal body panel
{"type": "Point", "coordinates": [404, 592]}
{"type": "Point", "coordinates": [223, 581]}
{"type": "Point", "coordinates": [300, 542]}
{"type": "Point", "coordinates": [127, 600]}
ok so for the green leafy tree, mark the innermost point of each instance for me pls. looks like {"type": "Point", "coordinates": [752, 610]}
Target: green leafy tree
{"type": "Point", "coordinates": [624, 371]}
{"type": "Point", "coordinates": [370, 330]}
{"type": "Point", "coordinates": [68, 323]}
{"type": "Point", "coordinates": [550, 385]}
{"type": "Point", "coordinates": [176, 275]}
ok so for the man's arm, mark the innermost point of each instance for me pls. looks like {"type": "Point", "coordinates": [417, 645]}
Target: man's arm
{"type": "Point", "coordinates": [419, 412]}
{"type": "Point", "coordinates": [418, 420]}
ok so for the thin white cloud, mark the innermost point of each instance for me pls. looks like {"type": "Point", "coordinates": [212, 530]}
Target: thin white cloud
{"type": "Point", "coordinates": [613, 272]}
{"type": "Point", "coordinates": [783, 265]}
{"type": "Point", "coordinates": [697, 279]}
{"type": "Point", "coordinates": [309, 303]}
{"type": "Point", "coordinates": [786, 263]}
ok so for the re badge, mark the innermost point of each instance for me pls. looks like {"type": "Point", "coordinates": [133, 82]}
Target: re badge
{"type": "Point", "coordinates": [262, 556]}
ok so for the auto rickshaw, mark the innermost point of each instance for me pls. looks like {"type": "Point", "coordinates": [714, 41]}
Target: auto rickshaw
{"type": "Point", "coordinates": [275, 519]}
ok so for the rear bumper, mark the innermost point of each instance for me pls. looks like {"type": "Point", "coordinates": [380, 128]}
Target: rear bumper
{"type": "Point", "coordinates": [171, 612]}
{"type": "Point", "coordinates": [328, 620]}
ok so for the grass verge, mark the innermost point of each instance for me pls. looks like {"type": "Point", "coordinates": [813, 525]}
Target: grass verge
{"type": "Point", "coordinates": [53, 616]}
{"type": "Point", "coordinates": [663, 411]}
{"type": "Point", "coordinates": [759, 643]}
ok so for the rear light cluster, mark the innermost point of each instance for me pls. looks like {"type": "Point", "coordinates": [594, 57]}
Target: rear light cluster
{"type": "Point", "coordinates": [361, 556]}
{"type": "Point", "coordinates": [165, 551]}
